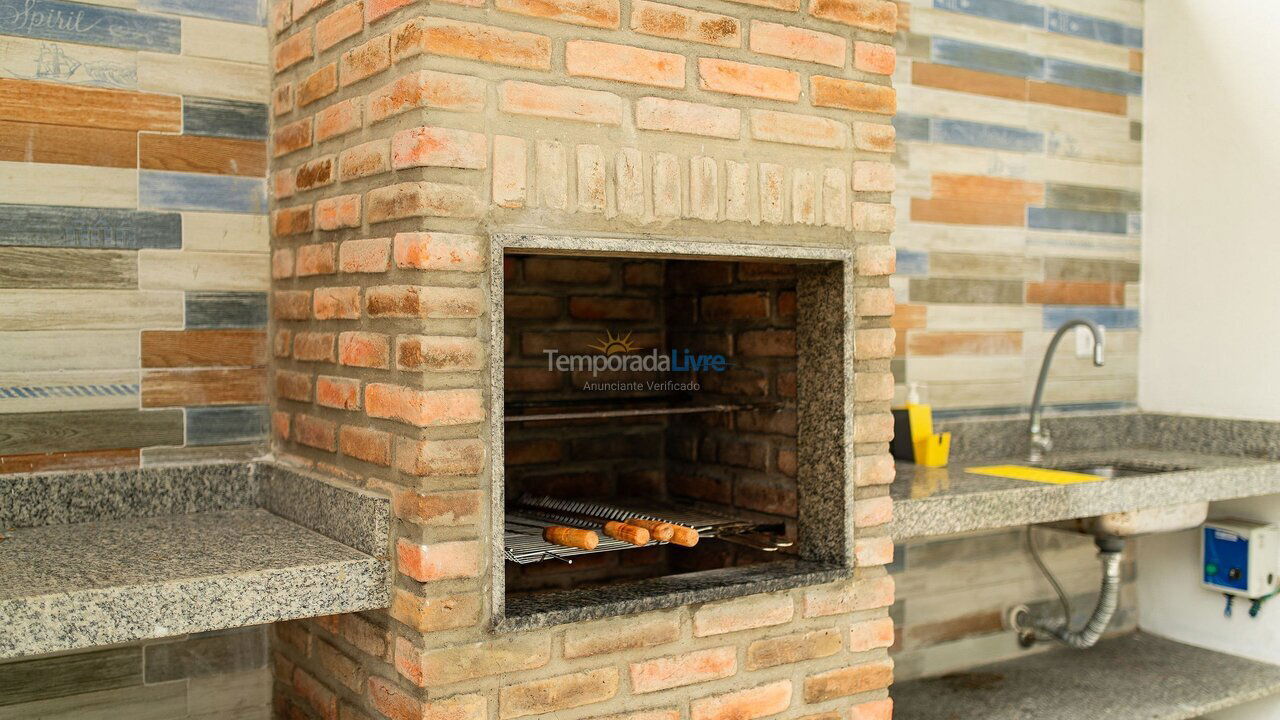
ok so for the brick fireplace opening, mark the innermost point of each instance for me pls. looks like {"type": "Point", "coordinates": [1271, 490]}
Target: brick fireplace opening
{"type": "Point", "coordinates": [683, 385]}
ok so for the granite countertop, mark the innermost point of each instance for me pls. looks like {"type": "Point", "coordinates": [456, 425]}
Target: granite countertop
{"type": "Point", "coordinates": [178, 550]}
{"type": "Point", "coordinates": [1161, 680]}
{"type": "Point", "coordinates": [937, 501]}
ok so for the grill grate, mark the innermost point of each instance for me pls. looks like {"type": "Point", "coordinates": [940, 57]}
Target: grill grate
{"type": "Point", "coordinates": [524, 523]}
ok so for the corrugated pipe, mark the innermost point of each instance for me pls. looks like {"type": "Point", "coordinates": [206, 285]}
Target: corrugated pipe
{"type": "Point", "coordinates": [1111, 550]}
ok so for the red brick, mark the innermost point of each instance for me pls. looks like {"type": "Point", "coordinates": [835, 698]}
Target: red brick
{"type": "Point", "coordinates": [746, 306]}
{"type": "Point", "coordinates": [869, 176]}
{"type": "Point", "coordinates": [291, 138]}
{"type": "Point", "coordinates": [313, 347]}
{"type": "Point", "coordinates": [291, 304]}
{"type": "Point", "coordinates": [788, 649]}
{"type": "Point", "coordinates": [282, 184]}
{"type": "Point", "coordinates": [873, 550]}
{"type": "Point", "coordinates": [367, 637]}
{"type": "Point", "coordinates": [438, 561]}
{"type": "Point", "coordinates": [874, 710]}
{"type": "Point", "coordinates": [440, 458]}
{"type": "Point", "coordinates": [423, 408]}
{"type": "Point", "coordinates": [880, 15]}
{"type": "Point", "coordinates": [849, 596]}
{"type": "Point", "coordinates": [874, 58]}
{"type": "Point", "coordinates": [315, 259]}
{"type": "Point", "coordinates": [593, 13]}
{"type": "Point", "coordinates": [393, 702]}
{"type": "Point", "coordinates": [798, 43]}
{"type": "Point", "coordinates": [338, 119]}
{"type": "Point", "coordinates": [561, 102]}
{"type": "Point", "coordinates": [446, 509]}
{"type": "Point", "coordinates": [873, 217]}
{"type": "Point", "coordinates": [871, 635]}
{"type": "Point", "coordinates": [292, 50]}
{"type": "Point", "coordinates": [798, 129]}
{"type": "Point", "coordinates": [281, 18]}
{"type": "Point", "coordinates": [624, 63]}
{"type": "Point", "coordinates": [737, 78]}
{"type": "Point", "coordinates": [670, 21]}
{"type": "Point", "coordinates": [371, 446]}
{"type": "Point", "coordinates": [472, 41]}
{"type": "Point", "coordinates": [336, 303]}
{"type": "Point", "coordinates": [318, 697]}
{"type": "Point", "coordinates": [371, 158]}
{"type": "Point", "coordinates": [338, 393]}
{"type": "Point", "coordinates": [339, 212]}
{"type": "Point", "coordinates": [421, 199]}
{"type": "Point", "coordinates": [438, 354]}
{"type": "Point", "coordinates": [339, 666]}
{"type": "Point", "coordinates": [364, 349]}
{"type": "Point", "coordinates": [378, 9]}
{"type": "Point", "coordinates": [302, 7]}
{"type": "Point", "coordinates": [282, 264]}
{"type": "Point", "coordinates": [314, 174]}
{"type": "Point", "coordinates": [611, 308]}
{"type": "Point", "coordinates": [315, 432]}
{"type": "Point", "coordinates": [633, 633]}
{"type": "Point", "coordinates": [875, 302]}
{"type": "Point", "coordinates": [742, 614]}
{"type": "Point", "coordinates": [433, 614]}
{"type": "Point", "coordinates": [282, 99]}
{"type": "Point", "coordinates": [767, 343]}
{"type": "Point", "coordinates": [366, 60]}
{"type": "Point", "coordinates": [843, 682]}
{"type": "Point", "coordinates": [372, 255]}
{"type": "Point", "coordinates": [654, 113]}
{"type": "Point", "coordinates": [679, 670]}
{"type": "Point", "coordinates": [427, 88]}
{"type": "Point", "coordinates": [757, 702]}
{"type": "Point", "coordinates": [339, 25]}
{"type": "Point", "coordinates": [873, 470]}
{"type": "Point", "coordinates": [876, 137]}
{"type": "Point", "coordinates": [567, 270]}
{"type": "Point", "coordinates": [555, 694]}
{"type": "Point", "coordinates": [294, 220]}
{"type": "Point", "coordinates": [420, 301]}
{"type": "Point", "coordinates": [439, 147]}
{"type": "Point", "coordinates": [293, 386]}
{"type": "Point", "coordinates": [439, 251]}
{"type": "Point", "coordinates": [318, 84]}
{"type": "Point", "coordinates": [852, 95]}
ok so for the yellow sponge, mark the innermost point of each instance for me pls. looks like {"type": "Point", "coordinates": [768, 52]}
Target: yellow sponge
{"type": "Point", "coordinates": [1034, 474]}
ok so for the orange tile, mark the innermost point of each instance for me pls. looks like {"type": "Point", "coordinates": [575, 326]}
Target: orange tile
{"type": "Point", "coordinates": [1135, 60]}
{"type": "Point", "coordinates": [904, 16]}
{"type": "Point", "coordinates": [32, 142]}
{"type": "Point", "coordinates": [177, 388]}
{"type": "Point", "coordinates": [47, 462]}
{"type": "Point", "coordinates": [52, 104]}
{"type": "Point", "coordinates": [195, 153]}
{"type": "Point", "coordinates": [946, 77]}
{"type": "Point", "coordinates": [965, 343]}
{"type": "Point", "coordinates": [1073, 97]}
{"type": "Point", "coordinates": [1075, 293]}
{"type": "Point", "coordinates": [968, 212]}
{"type": "Point", "coordinates": [1001, 191]}
{"type": "Point", "coordinates": [907, 317]}
{"type": "Point", "coordinates": [900, 344]}
{"type": "Point", "coordinates": [203, 348]}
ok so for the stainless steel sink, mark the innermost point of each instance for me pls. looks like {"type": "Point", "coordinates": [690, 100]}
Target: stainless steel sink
{"type": "Point", "coordinates": [1116, 470]}
{"type": "Point", "coordinates": [1169, 518]}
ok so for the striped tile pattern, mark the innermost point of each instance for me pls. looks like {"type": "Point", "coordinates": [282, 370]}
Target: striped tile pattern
{"type": "Point", "coordinates": [133, 225]}
{"type": "Point", "coordinates": [1018, 198]}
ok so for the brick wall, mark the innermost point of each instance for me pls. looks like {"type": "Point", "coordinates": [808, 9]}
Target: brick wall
{"type": "Point", "coordinates": [1019, 164]}
{"type": "Point", "coordinates": [133, 233]}
{"type": "Point", "coordinates": [404, 133]}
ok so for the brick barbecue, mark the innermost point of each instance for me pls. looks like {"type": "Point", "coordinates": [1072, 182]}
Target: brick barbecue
{"type": "Point", "coordinates": [461, 187]}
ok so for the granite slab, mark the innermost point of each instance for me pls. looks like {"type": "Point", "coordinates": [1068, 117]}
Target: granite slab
{"type": "Point", "coordinates": [939, 501]}
{"type": "Point", "coordinates": [1159, 679]}
{"type": "Point", "coordinates": [88, 584]}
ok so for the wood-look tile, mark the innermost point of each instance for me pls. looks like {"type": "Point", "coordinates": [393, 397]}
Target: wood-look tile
{"type": "Point", "coordinates": [68, 350]}
{"type": "Point", "coordinates": [48, 103]}
{"type": "Point", "coordinates": [32, 142]}
{"type": "Point", "coordinates": [61, 391]}
{"type": "Point", "coordinates": [1077, 97]}
{"type": "Point", "coordinates": [73, 185]}
{"type": "Point", "coordinates": [983, 188]}
{"type": "Point", "coordinates": [221, 40]}
{"type": "Point", "coordinates": [946, 77]}
{"type": "Point", "coordinates": [57, 432]}
{"type": "Point", "coordinates": [225, 425]}
{"type": "Point", "coordinates": [89, 309]}
{"type": "Point", "coordinates": [966, 290]}
{"type": "Point", "coordinates": [226, 310]}
{"type": "Point", "coordinates": [163, 701]}
{"type": "Point", "coordinates": [204, 348]}
{"type": "Point", "coordinates": [60, 461]}
{"type": "Point", "coordinates": [206, 654]}
{"type": "Point", "coordinates": [182, 388]}
{"type": "Point", "coordinates": [184, 270]}
{"type": "Point", "coordinates": [80, 227]}
{"type": "Point", "coordinates": [219, 117]}
{"type": "Point", "coordinates": [30, 680]}
{"type": "Point", "coordinates": [968, 212]}
{"type": "Point", "coordinates": [198, 154]}
{"type": "Point", "coordinates": [1075, 293]}
{"type": "Point", "coordinates": [178, 74]}
{"type": "Point", "coordinates": [964, 343]}
{"type": "Point", "coordinates": [64, 268]}
{"type": "Point", "coordinates": [90, 65]}
{"type": "Point", "coordinates": [59, 20]}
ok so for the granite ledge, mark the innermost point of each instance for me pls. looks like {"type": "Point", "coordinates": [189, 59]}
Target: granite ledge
{"type": "Point", "coordinates": [939, 501]}
{"type": "Point", "coordinates": [1160, 680]}
{"type": "Point", "coordinates": [76, 586]}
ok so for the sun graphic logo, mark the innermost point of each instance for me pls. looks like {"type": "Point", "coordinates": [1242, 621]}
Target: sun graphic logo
{"type": "Point", "coordinates": [612, 344]}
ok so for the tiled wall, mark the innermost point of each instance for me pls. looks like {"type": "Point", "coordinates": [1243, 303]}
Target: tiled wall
{"type": "Point", "coordinates": [209, 676]}
{"type": "Point", "coordinates": [133, 238]}
{"type": "Point", "coordinates": [1019, 170]}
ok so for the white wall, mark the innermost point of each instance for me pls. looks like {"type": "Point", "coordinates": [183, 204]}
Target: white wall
{"type": "Point", "coordinates": [1211, 223]}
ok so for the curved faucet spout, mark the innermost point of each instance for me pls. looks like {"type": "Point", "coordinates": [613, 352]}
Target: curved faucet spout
{"type": "Point", "coordinates": [1040, 442]}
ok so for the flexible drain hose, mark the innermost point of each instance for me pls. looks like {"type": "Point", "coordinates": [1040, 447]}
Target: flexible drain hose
{"type": "Point", "coordinates": [1110, 553]}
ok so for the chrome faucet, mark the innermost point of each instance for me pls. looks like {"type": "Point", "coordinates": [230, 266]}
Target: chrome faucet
{"type": "Point", "coordinates": [1040, 442]}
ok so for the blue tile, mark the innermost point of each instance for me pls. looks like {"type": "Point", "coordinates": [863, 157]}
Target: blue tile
{"type": "Point", "coordinates": [224, 118]}
{"type": "Point", "coordinates": [226, 425]}
{"type": "Point", "coordinates": [912, 262]}
{"type": "Point", "coordinates": [86, 227]}
{"type": "Point", "coordinates": [1006, 10]}
{"type": "Point", "coordinates": [252, 12]}
{"type": "Point", "coordinates": [206, 310]}
{"type": "Point", "coordinates": [996, 137]}
{"type": "Point", "coordinates": [1092, 28]}
{"type": "Point", "coordinates": [193, 191]}
{"type": "Point", "coordinates": [911, 127]}
{"type": "Point", "coordinates": [1079, 220]}
{"type": "Point", "coordinates": [1117, 318]}
{"type": "Point", "coordinates": [1090, 77]}
{"type": "Point", "coordinates": [987, 58]}
{"type": "Point", "coordinates": [90, 25]}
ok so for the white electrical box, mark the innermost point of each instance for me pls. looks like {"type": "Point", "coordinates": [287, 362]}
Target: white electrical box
{"type": "Point", "coordinates": [1240, 557]}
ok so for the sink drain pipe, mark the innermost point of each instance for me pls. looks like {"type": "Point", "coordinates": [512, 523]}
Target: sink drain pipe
{"type": "Point", "coordinates": [1110, 552]}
